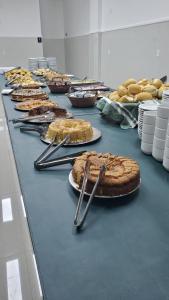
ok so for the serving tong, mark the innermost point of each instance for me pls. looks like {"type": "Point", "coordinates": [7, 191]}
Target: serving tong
{"type": "Point", "coordinates": [46, 116]}
{"type": "Point", "coordinates": [79, 220]}
{"type": "Point", "coordinates": [42, 161]}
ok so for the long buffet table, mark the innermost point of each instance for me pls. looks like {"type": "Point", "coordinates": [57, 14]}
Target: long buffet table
{"type": "Point", "coordinates": [123, 250]}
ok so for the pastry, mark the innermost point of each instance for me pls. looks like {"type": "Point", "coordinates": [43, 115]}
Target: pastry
{"type": "Point", "coordinates": [134, 89]}
{"type": "Point", "coordinates": [143, 96]}
{"type": "Point", "coordinates": [114, 96]}
{"type": "Point", "coordinates": [28, 105]}
{"type": "Point", "coordinates": [122, 90]}
{"type": "Point", "coordinates": [143, 81]}
{"type": "Point", "coordinates": [157, 83]}
{"type": "Point", "coordinates": [78, 130]}
{"type": "Point", "coordinates": [129, 81]}
{"type": "Point", "coordinates": [150, 89]}
{"type": "Point", "coordinates": [126, 99]}
{"type": "Point", "coordinates": [121, 177]}
{"type": "Point", "coordinates": [25, 94]}
{"type": "Point", "coordinates": [58, 111]}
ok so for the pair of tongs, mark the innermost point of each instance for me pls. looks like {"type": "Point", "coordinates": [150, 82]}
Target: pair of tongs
{"type": "Point", "coordinates": [78, 221]}
{"type": "Point", "coordinates": [42, 163]}
{"type": "Point", "coordinates": [43, 117]}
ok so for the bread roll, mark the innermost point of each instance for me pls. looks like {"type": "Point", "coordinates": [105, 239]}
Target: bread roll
{"type": "Point", "coordinates": [157, 83]}
{"type": "Point", "coordinates": [143, 81]}
{"type": "Point", "coordinates": [143, 96]}
{"type": "Point", "coordinates": [129, 81]}
{"type": "Point", "coordinates": [126, 99]}
{"type": "Point", "coordinates": [122, 90]}
{"type": "Point", "coordinates": [134, 89]}
{"type": "Point", "coordinates": [161, 89]}
{"type": "Point", "coordinates": [114, 96]}
{"type": "Point", "coordinates": [150, 89]}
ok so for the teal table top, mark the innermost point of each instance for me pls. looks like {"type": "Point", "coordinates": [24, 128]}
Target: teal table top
{"type": "Point", "coordinates": [123, 250]}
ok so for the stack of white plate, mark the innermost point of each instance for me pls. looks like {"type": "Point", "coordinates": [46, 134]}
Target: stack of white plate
{"type": "Point", "coordinates": [33, 63]}
{"type": "Point", "coordinates": [148, 128]}
{"type": "Point", "coordinates": [42, 62]}
{"type": "Point", "coordinates": [165, 95]}
{"type": "Point", "coordinates": [160, 131]}
{"type": "Point", "coordinates": [166, 151]}
{"type": "Point", "coordinates": [149, 105]}
{"type": "Point", "coordinates": [52, 63]}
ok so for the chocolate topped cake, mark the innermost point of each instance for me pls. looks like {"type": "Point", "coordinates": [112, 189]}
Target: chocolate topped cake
{"type": "Point", "coordinates": [58, 111]}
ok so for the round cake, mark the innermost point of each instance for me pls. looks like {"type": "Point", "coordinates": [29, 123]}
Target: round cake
{"type": "Point", "coordinates": [78, 130]}
{"type": "Point", "coordinates": [26, 94]}
{"type": "Point", "coordinates": [122, 174]}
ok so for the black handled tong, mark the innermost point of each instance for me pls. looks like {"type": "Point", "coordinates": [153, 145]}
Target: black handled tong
{"type": "Point", "coordinates": [42, 163]}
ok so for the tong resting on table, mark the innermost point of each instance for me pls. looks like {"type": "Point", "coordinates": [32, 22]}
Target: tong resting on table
{"type": "Point", "coordinates": [78, 222]}
{"type": "Point", "coordinates": [41, 162]}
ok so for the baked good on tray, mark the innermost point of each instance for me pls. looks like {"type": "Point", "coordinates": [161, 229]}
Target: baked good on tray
{"type": "Point", "coordinates": [121, 177]}
{"type": "Point", "coordinates": [28, 105]}
{"type": "Point", "coordinates": [78, 130]}
{"type": "Point", "coordinates": [26, 94]}
{"type": "Point", "coordinates": [132, 90]}
{"type": "Point", "coordinates": [58, 111]}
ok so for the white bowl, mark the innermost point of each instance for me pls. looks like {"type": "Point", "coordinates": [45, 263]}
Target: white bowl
{"type": "Point", "coordinates": [147, 138]}
{"type": "Point", "coordinates": [146, 148]}
{"type": "Point", "coordinates": [166, 163]}
{"type": "Point", "coordinates": [161, 123]}
{"type": "Point", "coordinates": [158, 153]}
{"type": "Point", "coordinates": [160, 133]}
{"type": "Point", "coordinates": [148, 128]}
{"type": "Point", "coordinates": [158, 143]}
{"type": "Point", "coordinates": [163, 111]}
{"type": "Point", "coordinates": [149, 117]}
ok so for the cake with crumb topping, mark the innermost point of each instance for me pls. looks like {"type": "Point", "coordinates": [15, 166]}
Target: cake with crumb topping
{"type": "Point", "coordinates": [121, 177]}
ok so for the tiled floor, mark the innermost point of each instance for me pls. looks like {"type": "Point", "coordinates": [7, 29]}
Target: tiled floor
{"type": "Point", "coordinates": [19, 278]}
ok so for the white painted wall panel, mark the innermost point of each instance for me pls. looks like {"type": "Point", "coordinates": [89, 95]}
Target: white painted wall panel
{"type": "Point", "coordinates": [119, 14]}
{"type": "Point", "coordinates": [52, 19]}
{"type": "Point", "coordinates": [19, 18]}
{"type": "Point", "coordinates": [76, 17]}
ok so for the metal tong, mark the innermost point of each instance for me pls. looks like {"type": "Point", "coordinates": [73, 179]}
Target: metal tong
{"type": "Point", "coordinates": [42, 163]}
{"type": "Point", "coordinates": [78, 221]}
{"type": "Point", "coordinates": [30, 118]}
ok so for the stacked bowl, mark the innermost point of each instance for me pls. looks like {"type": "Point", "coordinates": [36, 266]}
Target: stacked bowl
{"type": "Point", "coordinates": [42, 62]}
{"type": "Point", "coordinates": [32, 63]}
{"type": "Point", "coordinates": [149, 105]}
{"type": "Point", "coordinates": [166, 151]}
{"type": "Point", "coordinates": [52, 63]}
{"type": "Point", "coordinates": [148, 128]}
{"type": "Point", "coordinates": [160, 131]}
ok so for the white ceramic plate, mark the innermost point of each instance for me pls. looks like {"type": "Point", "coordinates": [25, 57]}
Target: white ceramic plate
{"type": "Point", "coordinates": [76, 187]}
{"type": "Point", "coordinates": [96, 136]}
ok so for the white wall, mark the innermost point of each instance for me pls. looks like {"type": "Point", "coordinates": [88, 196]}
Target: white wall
{"type": "Point", "coordinates": [19, 28]}
{"type": "Point", "coordinates": [19, 18]}
{"type": "Point", "coordinates": [52, 19]}
{"type": "Point", "coordinates": [121, 13]}
{"type": "Point", "coordinates": [76, 17]}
